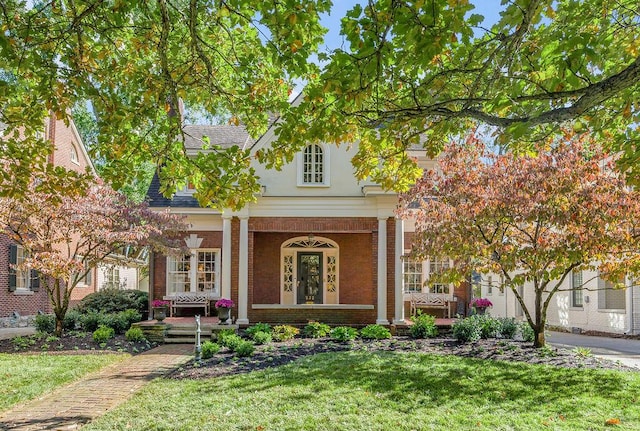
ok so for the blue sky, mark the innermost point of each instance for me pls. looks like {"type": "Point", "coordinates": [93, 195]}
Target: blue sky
{"type": "Point", "coordinates": [487, 8]}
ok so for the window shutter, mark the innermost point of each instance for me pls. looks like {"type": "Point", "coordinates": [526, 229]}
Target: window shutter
{"type": "Point", "coordinates": [13, 259]}
{"type": "Point", "coordinates": [35, 280]}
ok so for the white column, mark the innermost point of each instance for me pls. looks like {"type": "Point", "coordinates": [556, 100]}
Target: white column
{"type": "Point", "coordinates": [382, 271]}
{"type": "Point", "coordinates": [399, 278]}
{"type": "Point", "coordinates": [243, 271]}
{"type": "Point", "coordinates": [225, 288]}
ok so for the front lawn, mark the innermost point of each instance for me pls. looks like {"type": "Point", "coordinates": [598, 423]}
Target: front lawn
{"type": "Point", "coordinates": [25, 377]}
{"type": "Point", "coordinates": [361, 390]}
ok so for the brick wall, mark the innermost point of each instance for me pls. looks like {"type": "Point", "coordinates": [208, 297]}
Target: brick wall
{"type": "Point", "coordinates": [24, 304]}
{"type": "Point", "coordinates": [356, 265]}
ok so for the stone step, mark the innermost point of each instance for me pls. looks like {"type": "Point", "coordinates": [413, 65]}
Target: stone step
{"type": "Point", "coordinates": [181, 340]}
{"type": "Point", "coordinates": [188, 332]}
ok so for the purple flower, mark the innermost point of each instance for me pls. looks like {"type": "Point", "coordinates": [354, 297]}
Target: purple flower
{"type": "Point", "coordinates": [224, 303]}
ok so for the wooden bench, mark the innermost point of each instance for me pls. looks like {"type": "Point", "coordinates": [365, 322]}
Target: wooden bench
{"type": "Point", "coordinates": [430, 300]}
{"type": "Point", "coordinates": [189, 300]}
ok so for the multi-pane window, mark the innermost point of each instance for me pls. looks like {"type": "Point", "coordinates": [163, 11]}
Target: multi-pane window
{"type": "Point", "coordinates": [412, 276]}
{"type": "Point", "coordinates": [416, 272]}
{"type": "Point", "coordinates": [23, 278]}
{"type": "Point", "coordinates": [111, 277]}
{"type": "Point", "coordinates": [206, 271]}
{"type": "Point", "coordinates": [437, 266]}
{"type": "Point", "coordinates": [178, 274]}
{"type": "Point", "coordinates": [313, 165]}
{"type": "Point", "coordinates": [576, 286]}
{"type": "Point", "coordinates": [489, 285]}
{"type": "Point", "coordinates": [195, 272]}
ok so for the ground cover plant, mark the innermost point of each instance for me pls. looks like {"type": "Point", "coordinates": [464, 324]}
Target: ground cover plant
{"type": "Point", "coordinates": [26, 377]}
{"type": "Point", "coordinates": [387, 390]}
{"type": "Point", "coordinates": [76, 342]}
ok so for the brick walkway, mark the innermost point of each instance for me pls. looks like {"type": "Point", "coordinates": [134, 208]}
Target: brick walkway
{"type": "Point", "coordinates": [70, 406]}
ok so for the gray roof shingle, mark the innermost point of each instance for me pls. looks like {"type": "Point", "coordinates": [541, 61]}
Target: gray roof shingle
{"type": "Point", "coordinates": [223, 135]}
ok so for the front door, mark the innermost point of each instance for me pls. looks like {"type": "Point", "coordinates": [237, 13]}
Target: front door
{"type": "Point", "coordinates": [309, 278]}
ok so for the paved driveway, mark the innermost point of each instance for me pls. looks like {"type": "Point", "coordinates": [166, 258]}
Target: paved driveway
{"type": "Point", "coordinates": [615, 349]}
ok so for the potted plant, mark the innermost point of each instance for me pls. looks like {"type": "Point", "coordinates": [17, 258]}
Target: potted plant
{"type": "Point", "coordinates": [223, 306]}
{"type": "Point", "coordinates": [480, 305]}
{"type": "Point", "coordinates": [160, 309]}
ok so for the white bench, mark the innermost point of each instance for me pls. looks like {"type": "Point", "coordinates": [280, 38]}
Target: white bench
{"type": "Point", "coordinates": [430, 300]}
{"type": "Point", "coordinates": [189, 300]}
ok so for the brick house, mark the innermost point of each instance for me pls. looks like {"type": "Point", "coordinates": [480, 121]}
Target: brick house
{"type": "Point", "coordinates": [20, 294]}
{"type": "Point", "coordinates": [316, 245]}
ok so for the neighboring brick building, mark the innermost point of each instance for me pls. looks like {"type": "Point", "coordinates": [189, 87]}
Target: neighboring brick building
{"type": "Point", "coordinates": [20, 294]}
{"type": "Point", "coordinates": [316, 245]}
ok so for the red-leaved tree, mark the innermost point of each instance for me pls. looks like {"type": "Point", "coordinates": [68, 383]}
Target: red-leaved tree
{"type": "Point", "coordinates": [67, 234]}
{"type": "Point", "coordinates": [531, 218]}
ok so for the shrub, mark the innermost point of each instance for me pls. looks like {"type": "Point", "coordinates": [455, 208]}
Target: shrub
{"type": "Point", "coordinates": [527, 332]}
{"type": "Point", "coordinates": [222, 334]}
{"type": "Point", "coordinates": [375, 332]}
{"type": "Point", "coordinates": [127, 318]}
{"type": "Point", "coordinates": [114, 300]}
{"type": "Point", "coordinates": [467, 330]}
{"type": "Point", "coordinates": [344, 333]}
{"type": "Point", "coordinates": [231, 341]}
{"type": "Point", "coordinates": [71, 320]}
{"type": "Point", "coordinates": [258, 327]}
{"type": "Point", "coordinates": [508, 327]}
{"type": "Point", "coordinates": [103, 334]}
{"type": "Point", "coordinates": [46, 323]}
{"type": "Point", "coordinates": [209, 349]}
{"type": "Point", "coordinates": [91, 320]}
{"type": "Point", "coordinates": [244, 348]}
{"type": "Point", "coordinates": [284, 332]}
{"type": "Point", "coordinates": [134, 334]}
{"type": "Point", "coordinates": [424, 326]}
{"type": "Point", "coordinates": [262, 337]}
{"type": "Point", "coordinates": [316, 330]}
{"type": "Point", "coordinates": [489, 327]}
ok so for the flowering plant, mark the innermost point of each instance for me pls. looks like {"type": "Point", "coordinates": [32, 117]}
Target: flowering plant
{"type": "Point", "coordinates": [158, 303]}
{"type": "Point", "coordinates": [224, 303]}
{"type": "Point", "coordinates": [481, 303]}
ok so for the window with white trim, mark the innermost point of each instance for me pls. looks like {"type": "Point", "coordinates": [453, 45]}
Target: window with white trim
{"type": "Point", "coordinates": [416, 272]}
{"type": "Point", "coordinates": [610, 296]}
{"type": "Point", "coordinates": [313, 168]}
{"type": "Point", "coordinates": [74, 155]}
{"type": "Point", "coordinates": [111, 277]}
{"type": "Point", "coordinates": [576, 285]}
{"type": "Point", "coordinates": [412, 275]}
{"type": "Point", "coordinates": [195, 272]}
{"type": "Point", "coordinates": [23, 278]}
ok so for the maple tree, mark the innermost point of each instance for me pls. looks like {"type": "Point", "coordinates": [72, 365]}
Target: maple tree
{"type": "Point", "coordinates": [417, 73]}
{"type": "Point", "coordinates": [66, 235]}
{"type": "Point", "coordinates": [530, 218]}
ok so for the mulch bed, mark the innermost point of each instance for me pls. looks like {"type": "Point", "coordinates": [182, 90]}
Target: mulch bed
{"type": "Point", "coordinates": [275, 354]}
{"type": "Point", "coordinates": [73, 343]}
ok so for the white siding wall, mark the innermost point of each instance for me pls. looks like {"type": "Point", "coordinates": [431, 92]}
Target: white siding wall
{"type": "Point", "coordinates": [128, 275]}
{"type": "Point", "coordinates": [560, 313]}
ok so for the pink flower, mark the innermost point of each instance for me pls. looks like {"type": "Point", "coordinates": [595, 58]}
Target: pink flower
{"type": "Point", "coordinates": [224, 303]}
{"type": "Point", "coordinates": [481, 302]}
{"type": "Point", "coordinates": [158, 303]}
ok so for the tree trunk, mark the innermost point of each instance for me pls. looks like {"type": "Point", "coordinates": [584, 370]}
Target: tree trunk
{"type": "Point", "coordinates": [538, 340]}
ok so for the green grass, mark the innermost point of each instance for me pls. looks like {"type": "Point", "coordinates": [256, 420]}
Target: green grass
{"type": "Point", "coordinates": [380, 391]}
{"type": "Point", "coordinates": [25, 377]}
